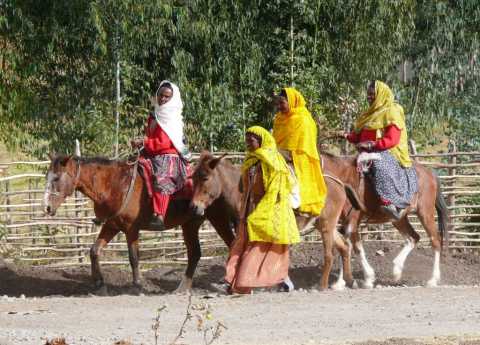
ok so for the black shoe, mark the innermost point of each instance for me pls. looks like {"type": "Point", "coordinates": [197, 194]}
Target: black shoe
{"type": "Point", "coordinates": [157, 223]}
{"type": "Point", "coordinates": [286, 286]}
{"type": "Point", "coordinates": [392, 211]}
{"type": "Point", "coordinates": [222, 287]}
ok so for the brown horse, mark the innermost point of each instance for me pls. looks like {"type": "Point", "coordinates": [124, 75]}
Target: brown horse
{"type": "Point", "coordinates": [123, 203]}
{"type": "Point", "coordinates": [217, 179]}
{"type": "Point", "coordinates": [363, 197]}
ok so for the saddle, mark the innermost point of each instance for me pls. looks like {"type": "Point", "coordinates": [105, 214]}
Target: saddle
{"type": "Point", "coordinates": [146, 171]}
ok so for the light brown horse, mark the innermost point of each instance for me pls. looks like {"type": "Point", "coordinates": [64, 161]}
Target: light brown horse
{"type": "Point", "coordinates": [107, 183]}
{"type": "Point", "coordinates": [216, 179]}
{"type": "Point", "coordinates": [362, 196]}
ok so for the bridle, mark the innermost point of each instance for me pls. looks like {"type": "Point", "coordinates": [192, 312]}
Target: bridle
{"type": "Point", "coordinates": [77, 174]}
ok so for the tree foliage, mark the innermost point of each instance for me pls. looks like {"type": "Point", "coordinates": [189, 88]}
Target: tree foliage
{"type": "Point", "coordinates": [228, 57]}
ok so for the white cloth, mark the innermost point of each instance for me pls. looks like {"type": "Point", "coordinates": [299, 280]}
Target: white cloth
{"type": "Point", "coordinates": [169, 117]}
{"type": "Point", "coordinates": [364, 160]}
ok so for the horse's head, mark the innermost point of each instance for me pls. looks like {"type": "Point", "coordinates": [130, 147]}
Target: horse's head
{"type": "Point", "coordinates": [62, 177]}
{"type": "Point", "coordinates": [207, 186]}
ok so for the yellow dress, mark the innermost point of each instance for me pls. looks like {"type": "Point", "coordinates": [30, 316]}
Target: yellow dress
{"type": "Point", "coordinates": [272, 220]}
{"type": "Point", "coordinates": [296, 132]}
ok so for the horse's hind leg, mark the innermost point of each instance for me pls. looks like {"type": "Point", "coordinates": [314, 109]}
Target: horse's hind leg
{"type": "Point", "coordinates": [105, 236]}
{"type": "Point", "coordinates": [327, 231]}
{"type": "Point", "coordinates": [345, 276]}
{"type": "Point", "coordinates": [411, 239]}
{"type": "Point", "coordinates": [427, 218]}
{"type": "Point", "coordinates": [368, 272]}
{"type": "Point", "coordinates": [192, 242]}
{"type": "Point", "coordinates": [134, 255]}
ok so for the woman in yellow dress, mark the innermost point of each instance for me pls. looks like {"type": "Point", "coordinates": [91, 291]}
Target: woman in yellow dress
{"type": "Point", "coordinates": [259, 257]}
{"type": "Point", "coordinates": [295, 133]}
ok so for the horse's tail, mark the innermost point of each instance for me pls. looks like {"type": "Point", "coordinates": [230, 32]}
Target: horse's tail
{"type": "Point", "coordinates": [354, 199]}
{"type": "Point", "coordinates": [442, 211]}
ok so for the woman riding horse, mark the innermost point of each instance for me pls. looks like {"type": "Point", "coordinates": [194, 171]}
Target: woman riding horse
{"type": "Point", "coordinates": [259, 256]}
{"type": "Point", "coordinates": [381, 129]}
{"type": "Point", "coordinates": [295, 132]}
{"type": "Point", "coordinates": [164, 147]}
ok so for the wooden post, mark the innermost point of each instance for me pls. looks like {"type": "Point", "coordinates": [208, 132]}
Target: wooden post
{"type": "Point", "coordinates": [77, 206]}
{"type": "Point", "coordinates": [452, 171]}
{"type": "Point", "coordinates": [413, 148]}
{"type": "Point", "coordinates": [31, 196]}
{"type": "Point", "coordinates": [7, 202]}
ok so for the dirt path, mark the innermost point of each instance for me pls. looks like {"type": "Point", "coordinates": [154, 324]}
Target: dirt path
{"type": "Point", "coordinates": [300, 317]}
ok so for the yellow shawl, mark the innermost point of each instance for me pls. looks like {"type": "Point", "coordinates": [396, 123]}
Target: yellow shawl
{"type": "Point", "coordinates": [272, 220]}
{"type": "Point", "coordinates": [296, 131]}
{"type": "Point", "coordinates": [382, 113]}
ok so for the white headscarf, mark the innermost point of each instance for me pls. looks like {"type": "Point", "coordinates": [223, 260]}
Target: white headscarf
{"type": "Point", "coordinates": [169, 116]}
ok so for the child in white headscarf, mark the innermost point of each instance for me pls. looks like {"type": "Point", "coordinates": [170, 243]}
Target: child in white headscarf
{"type": "Point", "coordinates": [163, 145]}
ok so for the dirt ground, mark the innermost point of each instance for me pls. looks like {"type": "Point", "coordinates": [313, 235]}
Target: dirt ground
{"type": "Point", "coordinates": [40, 303]}
{"type": "Point", "coordinates": [306, 260]}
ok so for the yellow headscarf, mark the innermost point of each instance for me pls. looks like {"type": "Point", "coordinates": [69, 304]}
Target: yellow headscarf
{"type": "Point", "coordinates": [296, 131]}
{"type": "Point", "coordinates": [272, 220]}
{"type": "Point", "coordinates": [382, 113]}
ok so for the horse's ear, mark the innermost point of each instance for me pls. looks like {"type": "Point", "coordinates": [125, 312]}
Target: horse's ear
{"type": "Point", "coordinates": [64, 160]}
{"type": "Point", "coordinates": [205, 154]}
{"type": "Point", "coordinates": [214, 162]}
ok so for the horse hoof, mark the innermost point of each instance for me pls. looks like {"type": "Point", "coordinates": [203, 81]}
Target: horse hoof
{"type": "Point", "coordinates": [352, 284]}
{"type": "Point", "coordinates": [322, 288]}
{"type": "Point", "coordinates": [432, 283]}
{"type": "Point", "coordinates": [136, 289]}
{"type": "Point", "coordinates": [101, 291]}
{"type": "Point", "coordinates": [367, 284]}
{"type": "Point", "coordinates": [339, 285]}
{"type": "Point", "coordinates": [182, 291]}
{"type": "Point", "coordinates": [397, 273]}
{"type": "Point", "coordinates": [184, 287]}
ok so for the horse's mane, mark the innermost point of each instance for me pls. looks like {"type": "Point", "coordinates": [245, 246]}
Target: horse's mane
{"type": "Point", "coordinates": [98, 160]}
{"type": "Point", "coordinates": [90, 160]}
{"type": "Point", "coordinates": [201, 167]}
{"type": "Point", "coordinates": [350, 159]}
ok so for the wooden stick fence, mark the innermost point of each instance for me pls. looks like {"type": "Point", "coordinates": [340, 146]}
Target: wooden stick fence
{"type": "Point", "coordinates": [65, 239]}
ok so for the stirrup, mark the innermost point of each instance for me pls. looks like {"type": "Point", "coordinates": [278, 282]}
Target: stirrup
{"type": "Point", "coordinates": [392, 211]}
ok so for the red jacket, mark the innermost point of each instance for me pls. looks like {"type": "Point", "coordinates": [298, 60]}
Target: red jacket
{"type": "Point", "coordinates": [391, 137]}
{"type": "Point", "coordinates": [156, 141]}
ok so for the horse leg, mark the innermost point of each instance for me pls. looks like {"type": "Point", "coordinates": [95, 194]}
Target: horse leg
{"type": "Point", "coordinates": [368, 271]}
{"type": "Point", "coordinates": [192, 242]}
{"type": "Point", "coordinates": [134, 255]}
{"type": "Point", "coordinates": [411, 239]}
{"type": "Point", "coordinates": [106, 234]}
{"type": "Point", "coordinates": [426, 216]}
{"type": "Point", "coordinates": [345, 276]}
{"type": "Point", "coordinates": [327, 232]}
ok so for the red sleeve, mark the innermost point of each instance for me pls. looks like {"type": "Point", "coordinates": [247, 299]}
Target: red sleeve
{"type": "Point", "coordinates": [391, 138]}
{"type": "Point", "coordinates": [353, 137]}
{"type": "Point", "coordinates": [157, 142]}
